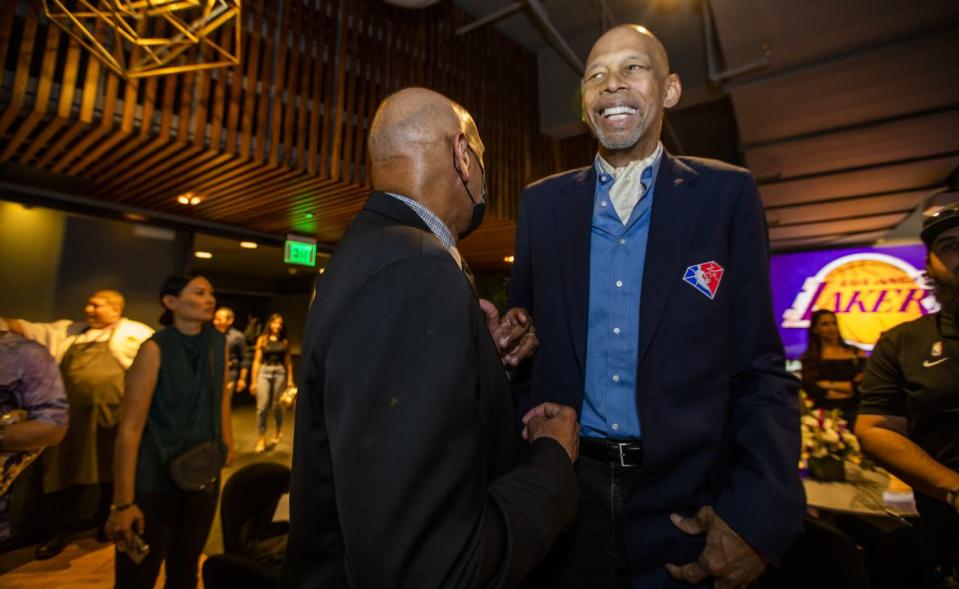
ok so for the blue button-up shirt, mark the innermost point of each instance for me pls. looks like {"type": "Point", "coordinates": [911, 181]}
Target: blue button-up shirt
{"type": "Point", "coordinates": [616, 261]}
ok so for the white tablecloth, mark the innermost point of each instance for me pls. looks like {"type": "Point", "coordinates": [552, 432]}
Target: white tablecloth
{"type": "Point", "coordinates": [864, 492]}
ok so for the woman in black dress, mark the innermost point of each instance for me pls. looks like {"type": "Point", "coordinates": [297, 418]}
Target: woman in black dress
{"type": "Point", "coordinates": [831, 368]}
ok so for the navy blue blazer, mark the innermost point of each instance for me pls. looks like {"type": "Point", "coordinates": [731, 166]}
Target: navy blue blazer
{"type": "Point", "coordinates": [719, 414]}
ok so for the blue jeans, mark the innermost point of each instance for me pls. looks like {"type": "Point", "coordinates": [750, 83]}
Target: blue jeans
{"type": "Point", "coordinates": [270, 382]}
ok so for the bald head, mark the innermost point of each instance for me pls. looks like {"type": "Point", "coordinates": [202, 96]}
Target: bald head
{"type": "Point", "coordinates": [424, 146]}
{"type": "Point", "coordinates": [623, 36]}
{"type": "Point", "coordinates": [412, 123]}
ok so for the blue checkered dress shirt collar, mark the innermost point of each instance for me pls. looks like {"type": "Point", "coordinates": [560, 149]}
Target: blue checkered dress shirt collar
{"type": "Point", "coordinates": [439, 229]}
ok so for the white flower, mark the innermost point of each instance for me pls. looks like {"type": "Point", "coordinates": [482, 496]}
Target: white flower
{"type": "Point", "coordinates": [830, 436]}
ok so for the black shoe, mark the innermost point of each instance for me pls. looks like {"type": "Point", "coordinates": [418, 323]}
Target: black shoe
{"type": "Point", "coordinates": [53, 546]}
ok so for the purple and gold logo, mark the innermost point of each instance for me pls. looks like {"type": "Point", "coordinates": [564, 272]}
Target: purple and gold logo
{"type": "Point", "coordinates": [869, 292]}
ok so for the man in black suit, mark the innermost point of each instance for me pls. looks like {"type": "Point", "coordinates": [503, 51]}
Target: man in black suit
{"type": "Point", "coordinates": [647, 277]}
{"type": "Point", "coordinates": [407, 467]}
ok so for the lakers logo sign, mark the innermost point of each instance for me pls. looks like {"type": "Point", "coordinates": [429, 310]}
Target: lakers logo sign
{"type": "Point", "coordinates": [869, 292]}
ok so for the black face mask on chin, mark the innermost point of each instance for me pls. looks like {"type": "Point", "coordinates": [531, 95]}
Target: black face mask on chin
{"type": "Point", "coordinates": [479, 208]}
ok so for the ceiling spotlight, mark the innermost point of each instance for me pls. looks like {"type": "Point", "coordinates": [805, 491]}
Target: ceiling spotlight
{"type": "Point", "coordinates": [508, 259]}
{"type": "Point", "coordinates": [322, 270]}
{"type": "Point", "coordinates": [250, 245]}
{"type": "Point", "coordinates": [203, 255]}
{"type": "Point", "coordinates": [188, 198]}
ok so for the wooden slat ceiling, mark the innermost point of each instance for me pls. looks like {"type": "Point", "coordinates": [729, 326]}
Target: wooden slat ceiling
{"type": "Point", "coordinates": [851, 126]}
{"type": "Point", "coordinates": [276, 144]}
{"type": "Point", "coordinates": [855, 121]}
{"type": "Point", "coordinates": [836, 185]}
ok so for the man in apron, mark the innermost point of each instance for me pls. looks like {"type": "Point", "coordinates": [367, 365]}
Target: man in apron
{"type": "Point", "coordinates": [94, 356]}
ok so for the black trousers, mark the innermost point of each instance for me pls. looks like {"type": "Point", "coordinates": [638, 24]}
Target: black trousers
{"type": "Point", "coordinates": [938, 531]}
{"type": "Point", "coordinates": [176, 528]}
{"type": "Point", "coordinates": [592, 553]}
{"type": "Point", "coordinates": [78, 507]}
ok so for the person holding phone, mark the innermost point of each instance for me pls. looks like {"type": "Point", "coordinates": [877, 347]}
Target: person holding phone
{"type": "Point", "coordinates": [174, 401]}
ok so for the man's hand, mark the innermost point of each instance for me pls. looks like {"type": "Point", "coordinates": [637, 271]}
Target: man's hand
{"type": "Point", "coordinates": [513, 333]}
{"type": "Point", "coordinates": [240, 385]}
{"type": "Point", "coordinates": [726, 556]}
{"type": "Point", "coordinates": [552, 420]}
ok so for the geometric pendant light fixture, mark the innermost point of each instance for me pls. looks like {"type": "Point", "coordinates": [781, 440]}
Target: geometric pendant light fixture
{"type": "Point", "coordinates": [138, 38]}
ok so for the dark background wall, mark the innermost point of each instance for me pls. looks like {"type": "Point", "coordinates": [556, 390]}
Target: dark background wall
{"type": "Point", "coordinates": [30, 243]}
{"type": "Point", "coordinates": [132, 259]}
{"type": "Point", "coordinates": [52, 261]}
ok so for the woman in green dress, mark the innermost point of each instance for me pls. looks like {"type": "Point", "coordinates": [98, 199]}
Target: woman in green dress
{"type": "Point", "coordinates": [173, 401]}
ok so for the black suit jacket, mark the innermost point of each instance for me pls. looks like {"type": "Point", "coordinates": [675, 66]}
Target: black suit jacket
{"type": "Point", "coordinates": [718, 413]}
{"type": "Point", "coordinates": [407, 469]}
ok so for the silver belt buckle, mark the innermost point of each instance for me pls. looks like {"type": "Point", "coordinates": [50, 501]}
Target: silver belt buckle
{"type": "Point", "coordinates": [622, 456]}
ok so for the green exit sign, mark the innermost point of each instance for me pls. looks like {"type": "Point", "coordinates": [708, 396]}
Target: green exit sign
{"type": "Point", "coordinates": [300, 250]}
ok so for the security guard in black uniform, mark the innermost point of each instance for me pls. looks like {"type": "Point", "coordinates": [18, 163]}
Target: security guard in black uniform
{"type": "Point", "coordinates": [909, 410]}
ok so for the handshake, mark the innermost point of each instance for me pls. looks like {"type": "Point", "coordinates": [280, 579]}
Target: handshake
{"type": "Point", "coordinates": [552, 420]}
{"type": "Point", "coordinates": [515, 336]}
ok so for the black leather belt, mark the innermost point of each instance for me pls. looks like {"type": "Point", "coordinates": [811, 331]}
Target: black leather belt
{"type": "Point", "coordinates": [625, 454]}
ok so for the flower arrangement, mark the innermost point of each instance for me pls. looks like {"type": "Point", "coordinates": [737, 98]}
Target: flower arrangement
{"type": "Point", "coordinates": [826, 437]}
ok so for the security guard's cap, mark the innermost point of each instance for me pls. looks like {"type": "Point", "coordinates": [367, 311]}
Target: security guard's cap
{"type": "Point", "coordinates": [945, 218]}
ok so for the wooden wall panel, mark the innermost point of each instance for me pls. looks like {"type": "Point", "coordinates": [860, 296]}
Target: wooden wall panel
{"type": "Point", "coordinates": [282, 134]}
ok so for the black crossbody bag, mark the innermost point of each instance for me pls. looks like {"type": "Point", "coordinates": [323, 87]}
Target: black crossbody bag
{"type": "Point", "coordinates": [199, 467]}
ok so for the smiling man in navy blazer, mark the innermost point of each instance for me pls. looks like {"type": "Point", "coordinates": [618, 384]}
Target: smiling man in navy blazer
{"type": "Point", "coordinates": [647, 277]}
